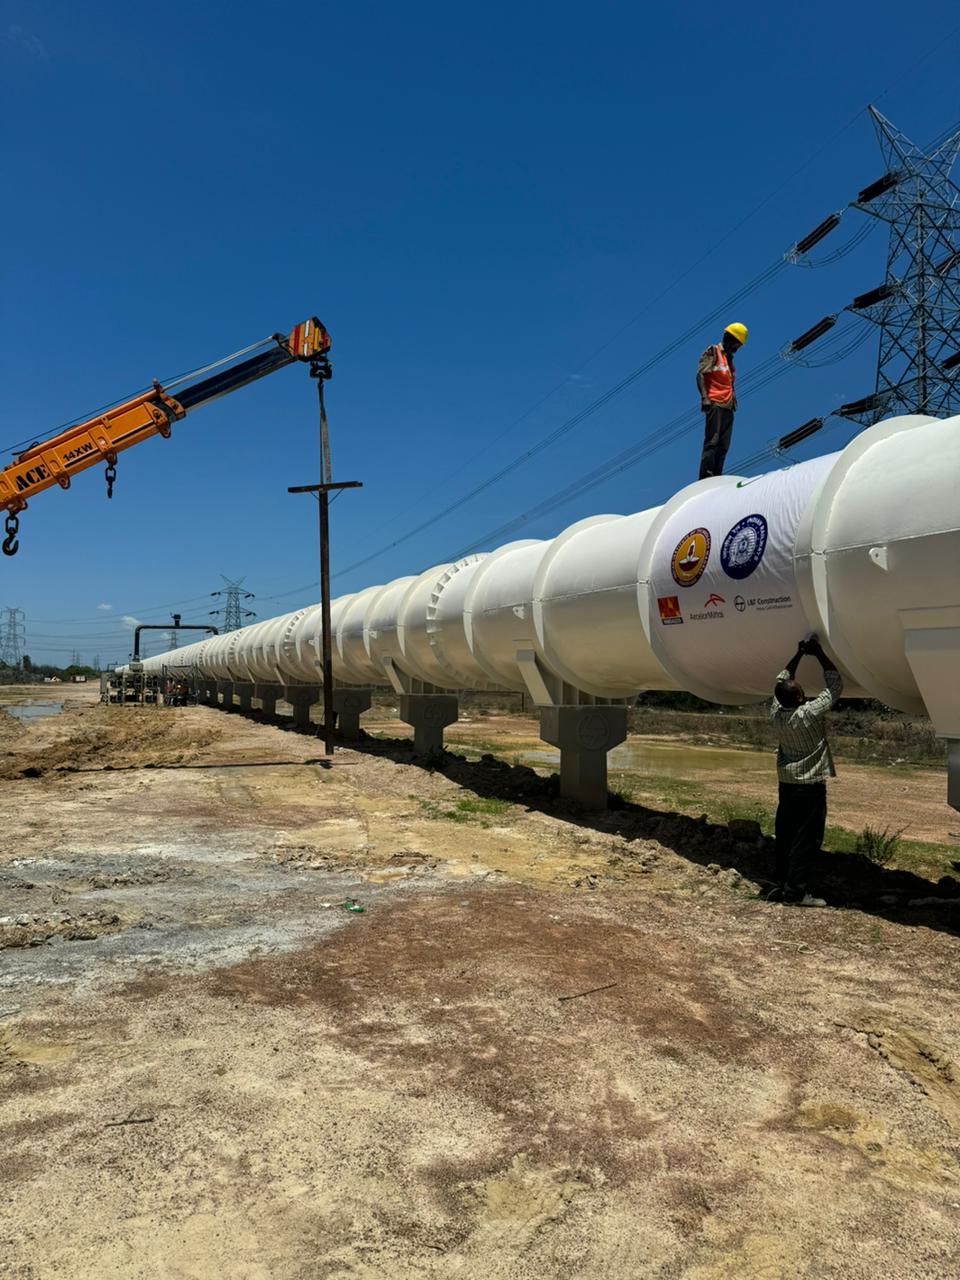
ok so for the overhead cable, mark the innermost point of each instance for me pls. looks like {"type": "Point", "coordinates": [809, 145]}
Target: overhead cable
{"type": "Point", "coordinates": [682, 425]}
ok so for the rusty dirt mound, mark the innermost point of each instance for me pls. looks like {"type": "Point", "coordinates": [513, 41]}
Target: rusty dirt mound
{"type": "Point", "coordinates": [10, 727]}
{"type": "Point", "coordinates": [110, 738]}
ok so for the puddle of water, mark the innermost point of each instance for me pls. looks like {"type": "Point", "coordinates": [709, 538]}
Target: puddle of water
{"type": "Point", "coordinates": [34, 708]}
{"type": "Point", "coordinates": [669, 761]}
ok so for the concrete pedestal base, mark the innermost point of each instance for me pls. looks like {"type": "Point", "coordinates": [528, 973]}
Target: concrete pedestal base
{"type": "Point", "coordinates": [429, 714]}
{"type": "Point", "coordinates": [349, 705]}
{"type": "Point", "coordinates": [269, 695]}
{"type": "Point", "coordinates": [301, 698]}
{"type": "Point", "coordinates": [953, 773]}
{"type": "Point", "coordinates": [245, 696]}
{"type": "Point", "coordinates": [584, 736]}
{"type": "Point", "coordinates": [207, 692]}
{"type": "Point", "coordinates": [225, 694]}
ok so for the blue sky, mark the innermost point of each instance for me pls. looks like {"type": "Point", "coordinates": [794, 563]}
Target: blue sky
{"type": "Point", "coordinates": [474, 199]}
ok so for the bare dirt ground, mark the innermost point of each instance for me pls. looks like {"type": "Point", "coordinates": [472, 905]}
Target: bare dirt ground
{"type": "Point", "coordinates": [551, 1044]}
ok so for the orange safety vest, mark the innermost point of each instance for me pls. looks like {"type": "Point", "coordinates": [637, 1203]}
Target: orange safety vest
{"type": "Point", "coordinates": [719, 382]}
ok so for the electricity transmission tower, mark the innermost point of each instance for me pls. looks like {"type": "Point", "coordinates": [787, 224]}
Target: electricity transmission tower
{"type": "Point", "coordinates": [917, 308]}
{"type": "Point", "coordinates": [11, 637]}
{"type": "Point", "coordinates": [233, 612]}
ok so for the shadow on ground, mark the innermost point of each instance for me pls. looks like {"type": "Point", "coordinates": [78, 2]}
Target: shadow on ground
{"type": "Point", "coordinates": [847, 880]}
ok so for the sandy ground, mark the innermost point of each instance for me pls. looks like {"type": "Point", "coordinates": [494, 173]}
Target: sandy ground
{"type": "Point", "coordinates": [551, 1044]}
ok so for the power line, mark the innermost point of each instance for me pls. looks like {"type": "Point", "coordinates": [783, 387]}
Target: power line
{"type": "Point", "coordinates": [577, 418]}
{"type": "Point", "coordinates": [669, 433]}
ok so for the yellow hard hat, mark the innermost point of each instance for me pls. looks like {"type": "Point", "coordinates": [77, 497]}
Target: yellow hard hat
{"type": "Point", "coordinates": [738, 331]}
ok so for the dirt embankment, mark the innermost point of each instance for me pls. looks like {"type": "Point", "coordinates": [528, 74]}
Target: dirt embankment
{"type": "Point", "coordinates": [10, 727]}
{"type": "Point", "coordinates": [102, 737]}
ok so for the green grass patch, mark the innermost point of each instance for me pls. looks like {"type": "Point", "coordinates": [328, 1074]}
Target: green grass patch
{"type": "Point", "coordinates": [465, 809]}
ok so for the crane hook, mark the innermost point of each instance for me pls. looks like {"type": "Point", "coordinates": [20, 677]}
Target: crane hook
{"type": "Point", "coordinates": [10, 543]}
{"type": "Point", "coordinates": [110, 473]}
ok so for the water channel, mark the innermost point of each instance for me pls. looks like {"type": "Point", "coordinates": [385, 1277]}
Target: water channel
{"type": "Point", "coordinates": [34, 708]}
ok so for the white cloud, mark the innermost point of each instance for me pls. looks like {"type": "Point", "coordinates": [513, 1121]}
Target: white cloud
{"type": "Point", "coordinates": [106, 608]}
{"type": "Point", "coordinates": [25, 43]}
{"type": "Point", "coordinates": [129, 621]}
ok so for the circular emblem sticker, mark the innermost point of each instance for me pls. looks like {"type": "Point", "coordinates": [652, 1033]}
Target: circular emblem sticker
{"type": "Point", "coordinates": [743, 547]}
{"type": "Point", "coordinates": [690, 557]}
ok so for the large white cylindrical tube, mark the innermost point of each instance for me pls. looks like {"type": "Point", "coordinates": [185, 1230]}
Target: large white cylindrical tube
{"type": "Point", "coordinates": [709, 593]}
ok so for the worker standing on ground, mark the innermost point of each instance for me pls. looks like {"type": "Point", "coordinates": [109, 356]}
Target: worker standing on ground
{"type": "Point", "coordinates": [716, 377]}
{"type": "Point", "coordinates": [804, 763]}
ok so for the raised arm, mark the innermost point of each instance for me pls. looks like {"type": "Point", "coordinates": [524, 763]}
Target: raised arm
{"type": "Point", "coordinates": [791, 667]}
{"type": "Point", "coordinates": [824, 700]}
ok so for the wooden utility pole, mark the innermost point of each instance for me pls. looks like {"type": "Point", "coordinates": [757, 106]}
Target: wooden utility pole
{"type": "Point", "coordinates": [321, 371]}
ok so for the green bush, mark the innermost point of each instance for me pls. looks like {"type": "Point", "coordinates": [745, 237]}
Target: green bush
{"type": "Point", "coordinates": [880, 846]}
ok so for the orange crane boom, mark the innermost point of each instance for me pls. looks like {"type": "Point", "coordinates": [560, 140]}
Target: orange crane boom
{"type": "Point", "coordinates": [101, 438]}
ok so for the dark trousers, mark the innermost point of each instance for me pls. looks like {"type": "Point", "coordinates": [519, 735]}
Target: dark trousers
{"type": "Point", "coordinates": [801, 819]}
{"type": "Point", "coordinates": [717, 430]}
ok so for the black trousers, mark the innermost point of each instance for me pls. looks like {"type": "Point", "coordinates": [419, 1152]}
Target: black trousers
{"type": "Point", "coordinates": [717, 430]}
{"type": "Point", "coordinates": [801, 819]}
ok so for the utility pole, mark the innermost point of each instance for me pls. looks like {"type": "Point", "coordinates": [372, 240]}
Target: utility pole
{"type": "Point", "coordinates": [917, 308]}
{"type": "Point", "coordinates": [11, 637]}
{"type": "Point", "coordinates": [321, 370]}
{"type": "Point", "coordinates": [233, 612]}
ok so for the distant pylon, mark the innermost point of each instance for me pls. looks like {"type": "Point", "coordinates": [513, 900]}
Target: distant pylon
{"type": "Point", "coordinates": [11, 638]}
{"type": "Point", "coordinates": [917, 308]}
{"type": "Point", "coordinates": [233, 613]}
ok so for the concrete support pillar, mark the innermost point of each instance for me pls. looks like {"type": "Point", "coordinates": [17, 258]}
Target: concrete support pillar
{"type": "Point", "coordinates": [953, 773]}
{"type": "Point", "coordinates": [269, 695]}
{"type": "Point", "coordinates": [429, 714]}
{"type": "Point", "coordinates": [301, 698]}
{"type": "Point", "coordinates": [225, 692]}
{"type": "Point", "coordinates": [245, 696]}
{"type": "Point", "coordinates": [207, 692]}
{"type": "Point", "coordinates": [349, 705]}
{"type": "Point", "coordinates": [584, 736]}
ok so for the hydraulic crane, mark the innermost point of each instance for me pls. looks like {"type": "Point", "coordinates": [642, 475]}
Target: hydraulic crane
{"type": "Point", "coordinates": [102, 437]}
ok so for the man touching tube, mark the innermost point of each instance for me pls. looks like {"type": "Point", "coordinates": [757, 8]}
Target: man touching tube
{"type": "Point", "coordinates": [804, 763]}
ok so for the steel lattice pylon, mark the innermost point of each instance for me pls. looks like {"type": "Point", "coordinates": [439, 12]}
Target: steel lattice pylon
{"type": "Point", "coordinates": [11, 638]}
{"type": "Point", "coordinates": [233, 612]}
{"type": "Point", "coordinates": [917, 309]}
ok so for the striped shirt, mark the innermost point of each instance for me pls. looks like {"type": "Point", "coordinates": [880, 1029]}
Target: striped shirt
{"type": "Point", "coordinates": [804, 754]}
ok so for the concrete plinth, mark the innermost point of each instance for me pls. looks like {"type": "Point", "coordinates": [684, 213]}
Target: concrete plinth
{"type": "Point", "coordinates": [584, 736]}
{"type": "Point", "coordinates": [429, 714]}
{"type": "Point", "coordinates": [225, 694]}
{"type": "Point", "coordinates": [953, 773]}
{"type": "Point", "coordinates": [349, 705]}
{"type": "Point", "coordinates": [207, 692]}
{"type": "Point", "coordinates": [245, 696]}
{"type": "Point", "coordinates": [301, 698]}
{"type": "Point", "coordinates": [269, 695]}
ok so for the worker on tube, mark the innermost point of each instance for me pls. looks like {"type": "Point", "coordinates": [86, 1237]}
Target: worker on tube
{"type": "Point", "coordinates": [716, 379]}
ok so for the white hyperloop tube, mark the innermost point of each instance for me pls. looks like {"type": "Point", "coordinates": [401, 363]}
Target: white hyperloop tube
{"type": "Point", "coordinates": [352, 662]}
{"type": "Point", "coordinates": [498, 611]}
{"type": "Point", "coordinates": [708, 593]}
{"type": "Point", "coordinates": [588, 626]}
